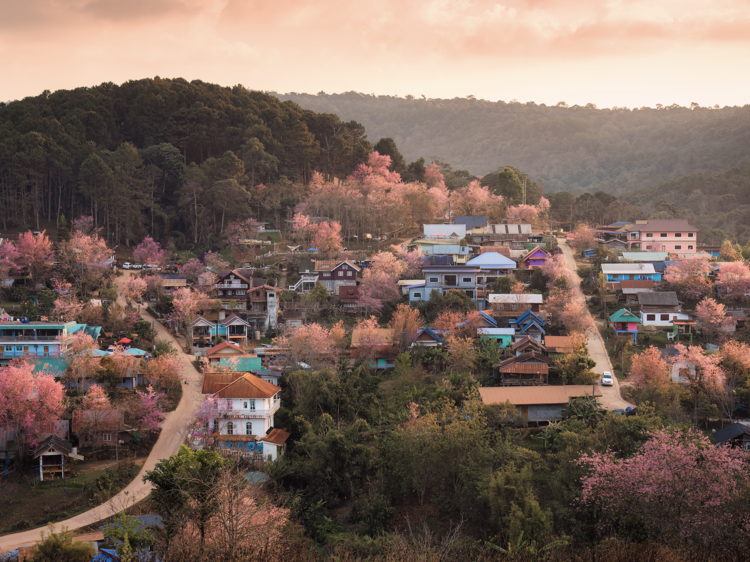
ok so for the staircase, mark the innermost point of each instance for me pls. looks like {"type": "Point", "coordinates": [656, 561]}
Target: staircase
{"type": "Point", "coordinates": [306, 282]}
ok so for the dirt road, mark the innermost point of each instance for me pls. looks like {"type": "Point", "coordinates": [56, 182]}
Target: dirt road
{"type": "Point", "coordinates": [172, 435]}
{"type": "Point", "coordinates": [611, 398]}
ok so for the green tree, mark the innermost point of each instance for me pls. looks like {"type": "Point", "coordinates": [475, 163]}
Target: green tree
{"type": "Point", "coordinates": [128, 529]}
{"type": "Point", "coordinates": [63, 230]}
{"type": "Point", "coordinates": [59, 547]}
{"type": "Point", "coordinates": [387, 146]}
{"type": "Point", "coordinates": [502, 285]}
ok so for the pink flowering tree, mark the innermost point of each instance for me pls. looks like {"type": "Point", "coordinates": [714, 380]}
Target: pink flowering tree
{"type": "Point", "coordinates": [313, 344]}
{"type": "Point", "coordinates": [301, 226]}
{"type": "Point", "coordinates": [28, 400]}
{"type": "Point", "coordinates": [405, 323]}
{"type": "Point", "coordinates": [215, 261]}
{"type": "Point", "coordinates": [328, 238]}
{"type": "Point", "coordinates": [389, 264]}
{"type": "Point", "coordinates": [650, 375]}
{"type": "Point", "coordinates": [555, 268]}
{"type": "Point", "coordinates": [67, 306]}
{"type": "Point", "coordinates": [734, 280]}
{"type": "Point", "coordinates": [192, 269]}
{"type": "Point", "coordinates": [145, 410]}
{"type": "Point", "coordinates": [34, 253]}
{"type": "Point", "coordinates": [371, 340]}
{"type": "Point", "coordinates": [150, 251]}
{"type": "Point", "coordinates": [9, 260]}
{"type": "Point", "coordinates": [82, 364]}
{"type": "Point", "coordinates": [715, 324]}
{"type": "Point", "coordinates": [584, 237]}
{"type": "Point", "coordinates": [412, 260]}
{"type": "Point", "coordinates": [689, 278]}
{"type": "Point", "coordinates": [576, 317]}
{"type": "Point", "coordinates": [378, 289]}
{"type": "Point", "coordinates": [135, 288]}
{"type": "Point", "coordinates": [237, 232]}
{"type": "Point", "coordinates": [185, 306]}
{"type": "Point", "coordinates": [522, 214]}
{"type": "Point", "coordinates": [164, 372]}
{"type": "Point", "coordinates": [703, 372]}
{"type": "Point", "coordinates": [475, 199]}
{"type": "Point", "coordinates": [678, 487]}
{"type": "Point", "coordinates": [87, 256]}
{"type": "Point", "coordinates": [96, 415]}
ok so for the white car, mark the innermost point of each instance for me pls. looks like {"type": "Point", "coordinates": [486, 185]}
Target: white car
{"type": "Point", "coordinates": [607, 379]}
{"type": "Point", "coordinates": [126, 265]}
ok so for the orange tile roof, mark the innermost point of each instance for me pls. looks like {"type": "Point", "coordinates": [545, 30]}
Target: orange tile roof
{"type": "Point", "coordinates": [277, 436]}
{"type": "Point", "coordinates": [243, 386]}
{"type": "Point", "coordinates": [536, 395]}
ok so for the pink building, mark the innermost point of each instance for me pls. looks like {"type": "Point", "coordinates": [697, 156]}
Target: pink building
{"type": "Point", "coordinates": [664, 235]}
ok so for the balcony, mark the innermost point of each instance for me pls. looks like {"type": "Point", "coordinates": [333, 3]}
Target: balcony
{"type": "Point", "coordinates": [257, 413]}
{"type": "Point", "coordinates": [258, 299]}
{"type": "Point", "coordinates": [29, 338]}
{"type": "Point", "coordinates": [53, 353]}
{"type": "Point", "coordinates": [232, 286]}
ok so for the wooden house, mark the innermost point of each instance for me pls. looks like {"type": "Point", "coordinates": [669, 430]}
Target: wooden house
{"type": "Point", "coordinates": [380, 344]}
{"type": "Point", "coordinates": [428, 337]}
{"type": "Point", "coordinates": [535, 257]}
{"type": "Point", "coordinates": [558, 344]}
{"type": "Point", "coordinates": [528, 344]}
{"type": "Point", "coordinates": [513, 305]}
{"type": "Point", "coordinates": [628, 291]}
{"type": "Point", "coordinates": [53, 454]}
{"type": "Point", "coordinates": [737, 435]}
{"type": "Point", "coordinates": [530, 368]}
{"type": "Point", "coordinates": [503, 337]}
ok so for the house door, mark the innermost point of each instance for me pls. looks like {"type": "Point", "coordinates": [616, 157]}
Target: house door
{"type": "Point", "coordinates": [524, 410]}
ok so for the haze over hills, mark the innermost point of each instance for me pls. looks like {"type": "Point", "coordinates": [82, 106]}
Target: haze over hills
{"type": "Point", "coordinates": [574, 149]}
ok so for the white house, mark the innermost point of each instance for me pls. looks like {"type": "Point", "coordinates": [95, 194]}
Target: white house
{"type": "Point", "coordinates": [243, 421]}
{"type": "Point", "coordinates": [660, 309]}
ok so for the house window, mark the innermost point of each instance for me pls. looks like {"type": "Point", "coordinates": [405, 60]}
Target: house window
{"type": "Point", "coordinates": [341, 273]}
{"type": "Point", "coordinates": [252, 404]}
{"type": "Point", "coordinates": [434, 279]}
{"type": "Point", "coordinates": [417, 295]}
{"type": "Point", "coordinates": [649, 234]}
{"type": "Point", "coordinates": [470, 294]}
{"type": "Point", "coordinates": [449, 280]}
{"type": "Point", "coordinates": [216, 426]}
{"type": "Point", "coordinates": [249, 428]}
{"type": "Point", "coordinates": [107, 437]}
{"type": "Point", "coordinates": [678, 247]}
{"type": "Point", "coordinates": [244, 404]}
{"type": "Point", "coordinates": [690, 247]}
{"type": "Point", "coordinates": [663, 234]}
{"type": "Point", "coordinates": [649, 247]}
{"type": "Point", "coordinates": [651, 317]}
{"type": "Point", "coordinates": [664, 317]}
{"type": "Point", "coordinates": [678, 234]}
{"type": "Point", "coordinates": [348, 273]}
{"type": "Point", "coordinates": [230, 428]}
{"type": "Point", "coordinates": [466, 279]}
{"type": "Point", "coordinates": [690, 234]}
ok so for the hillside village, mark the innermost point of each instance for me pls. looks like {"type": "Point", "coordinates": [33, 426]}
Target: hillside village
{"type": "Point", "coordinates": [335, 382]}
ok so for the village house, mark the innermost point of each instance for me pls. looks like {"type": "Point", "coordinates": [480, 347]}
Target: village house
{"type": "Point", "coordinates": [448, 247]}
{"type": "Point", "coordinates": [244, 421]}
{"type": "Point", "coordinates": [538, 403]}
{"type": "Point", "coordinates": [666, 234]}
{"type": "Point", "coordinates": [529, 324]}
{"type": "Point", "coordinates": [628, 291]}
{"type": "Point", "coordinates": [23, 337]}
{"type": "Point", "coordinates": [625, 322]}
{"type": "Point", "coordinates": [558, 344]}
{"type": "Point", "coordinates": [232, 328]}
{"type": "Point", "coordinates": [503, 337]}
{"type": "Point", "coordinates": [53, 454]}
{"type": "Point", "coordinates": [679, 370]}
{"type": "Point", "coordinates": [428, 337]}
{"type": "Point", "coordinates": [294, 318]}
{"type": "Point", "coordinates": [446, 278]}
{"type": "Point", "coordinates": [262, 308]}
{"type": "Point", "coordinates": [660, 308]}
{"type": "Point", "coordinates": [514, 305]}
{"type": "Point", "coordinates": [644, 257]}
{"type": "Point", "coordinates": [445, 231]}
{"type": "Point", "coordinates": [536, 257]}
{"type": "Point", "coordinates": [348, 296]}
{"type": "Point", "coordinates": [333, 275]}
{"type": "Point", "coordinates": [474, 225]}
{"type": "Point", "coordinates": [614, 272]}
{"type": "Point", "coordinates": [229, 355]}
{"type": "Point", "coordinates": [231, 289]}
{"type": "Point", "coordinates": [736, 434]}
{"type": "Point", "coordinates": [528, 344]}
{"type": "Point", "coordinates": [526, 369]}
{"type": "Point", "coordinates": [172, 282]}
{"type": "Point", "coordinates": [493, 265]}
{"type": "Point", "coordinates": [96, 428]}
{"type": "Point", "coordinates": [506, 235]}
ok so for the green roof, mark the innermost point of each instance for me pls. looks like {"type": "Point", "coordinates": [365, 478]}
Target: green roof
{"type": "Point", "coordinates": [623, 315]}
{"type": "Point", "coordinates": [241, 364]}
{"type": "Point", "coordinates": [56, 366]}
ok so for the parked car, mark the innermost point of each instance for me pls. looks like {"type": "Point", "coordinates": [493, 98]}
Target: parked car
{"type": "Point", "coordinates": [607, 379]}
{"type": "Point", "coordinates": [152, 266]}
{"type": "Point", "coordinates": [136, 266]}
{"type": "Point", "coordinates": [126, 265]}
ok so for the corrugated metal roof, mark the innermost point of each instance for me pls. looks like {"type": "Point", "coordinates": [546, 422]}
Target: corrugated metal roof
{"type": "Point", "coordinates": [616, 268]}
{"type": "Point", "coordinates": [523, 298]}
{"type": "Point", "coordinates": [493, 260]}
{"type": "Point", "coordinates": [662, 225]}
{"type": "Point", "coordinates": [666, 298]}
{"type": "Point", "coordinates": [525, 368]}
{"type": "Point", "coordinates": [470, 221]}
{"type": "Point", "coordinates": [509, 229]}
{"type": "Point", "coordinates": [536, 395]}
{"type": "Point", "coordinates": [558, 342]}
{"type": "Point", "coordinates": [645, 256]}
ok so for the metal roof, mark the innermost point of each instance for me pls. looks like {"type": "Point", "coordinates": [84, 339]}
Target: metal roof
{"type": "Point", "coordinates": [617, 268]}
{"type": "Point", "coordinates": [496, 331]}
{"type": "Point", "coordinates": [523, 298]}
{"type": "Point", "coordinates": [493, 260]}
{"type": "Point", "coordinates": [666, 298]}
{"type": "Point", "coordinates": [536, 395]}
{"type": "Point", "coordinates": [509, 229]}
{"type": "Point", "coordinates": [662, 225]}
{"type": "Point", "coordinates": [645, 256]}
{"type": "Point", "coordinates": [470, 221]}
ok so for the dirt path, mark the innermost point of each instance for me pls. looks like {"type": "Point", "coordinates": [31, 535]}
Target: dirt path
{"type": "Point", "coordinates": [611, 398]}
{"type": "Point", "coordinates": [173, 433]}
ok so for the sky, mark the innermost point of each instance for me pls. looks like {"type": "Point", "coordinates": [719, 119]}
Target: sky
{"type": "Point", "coordinates": [630, 53]}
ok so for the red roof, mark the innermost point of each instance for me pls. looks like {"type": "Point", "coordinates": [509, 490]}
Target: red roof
{"type": "Point", "coordinates": [224, 344]}
{"type": "Point", "coordinates": [277, 436]}
{"type": "Point", "coordinates": [238, 385]}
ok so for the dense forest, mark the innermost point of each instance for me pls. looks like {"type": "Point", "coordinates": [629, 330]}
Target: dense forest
{"type": "Point", "coordinates": [565, 148]}
{"type": "Point", "coordinates": [174, 159]}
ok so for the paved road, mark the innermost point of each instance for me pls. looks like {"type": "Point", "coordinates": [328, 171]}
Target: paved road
{"type": "Point", "coordinates": [611, 398]}
{"type": "Point", "coordinates": [172, 435]}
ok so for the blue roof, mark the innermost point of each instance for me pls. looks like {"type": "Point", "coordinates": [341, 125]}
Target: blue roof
{"type": "Point", "coordinates": [493, 260]}
{"type": "Point", "coordinates": [241, 364]}
{"type": "Point", "coordinates": [432, 333]}
{"type": "Point", "coordinates": [135, 351]}
{"type": "Point", "coordinates": [256, 477]}
{"type": "Point", "coordinates": [619, 223]}
{"type": "Point", "coordinates": [529, 324]}
{"type": "Point", "coordinates": [416, 285]}
{"type": "Point", "coordinates": [470, 221]}
{"type": "Point", "coordinates": [529, 314]}
{"type": "Point", "coordinates": [486, 316]}
{"type": "Point", "coordinates": [94, 331]}
{"type": "Point", "coordinates": [56, 366]}
{"type": "Point", "coordinates": [106, 555]}
{"type": "Point", "coordinates": [661, 266]}
{"type": "Point", "coordinates": [76, 328]}
{"type": "Point", "coordinates": [99, 353]}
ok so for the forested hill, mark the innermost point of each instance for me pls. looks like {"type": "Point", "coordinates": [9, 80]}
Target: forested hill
{"type": "Point", "coordinates": [170, 158]}
{"type": "Point", "coordinates": [718, 203]}
{"type": "Point", "coordinates": [576, 148]}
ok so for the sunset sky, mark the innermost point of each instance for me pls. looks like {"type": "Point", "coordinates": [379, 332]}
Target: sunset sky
{"type": "Point", "coordinates": [625, 53]}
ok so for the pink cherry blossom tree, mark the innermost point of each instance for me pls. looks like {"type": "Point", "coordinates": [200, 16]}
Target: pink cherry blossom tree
{"type": "Point", "coordinates": [522, 214]}
{"type": "Point", "coordinates": [412, 261]}
{"type": "Point", "coordinates": [405, 323]}
{"type": "Point", "coordinates": [96, 415]}
{"type": "Point", "coordinates": [650, 374]}
{"type": "Point", "coordinates": [433, 177]}
{"type": "Point", "coordinates": [135, 288]}
{"type": "Point", "coordinates": [34, 253]}
{"type": "Point", "coordinates": [689, 278]}
{"type": "Point", "coordinates": [215, 261]}
{"type": "Point", "coordinates": [328, 238]}
{"type": "Point", "coordinates": [301, 226]}
{"type": "Point", "coordinates": [192, 269]}
{"type": "Point", "coordinates": [185, 306]}
{"type": "Point", "coordinates": [584, 237]}
{"type": "Point", "coordinates": [9, 260]}
{"type": "Point", "coordinates": [86, 257]}
{"type": "Point", "coordinates": [145, 410]}
{"type": "Point", "coordinates": [555, 268]}
{"type": "Point", "coordinates": [678, 486]}
{"type": "Point", "coordinates": [703, 373]}
{"type": "Point", "coordinates": [713, 318]}
{"type": "Point", "coordinates": [313, 344]}
{"type": "Point", "coordinates": [82, 363]}
{"type": "Point", "coordinates": [149, 251]}
{"type": "Point", "coordinates": [734, 280]}
{"type": "Point", "coordinates": [28, 400]}
{"type": "Point", "coordinates": [67, 306]}
{"type": "Point", "coordinates": [378, 289]}
{"type": "Point", "coordinates": [475, 199]}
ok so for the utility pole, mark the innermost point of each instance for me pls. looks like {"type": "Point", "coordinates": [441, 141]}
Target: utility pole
{"type": "Point", "coordinates": [524, 190]}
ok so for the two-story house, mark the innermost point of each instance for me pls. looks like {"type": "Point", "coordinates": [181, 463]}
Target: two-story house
{"type": "Point", "coordinates": [445, 240]}
{"type": "Point", "coordinates": [231, 328]}
{"type": "Point", "coordinates": [263, 308]}
{"type": "Point", "coordinates": [616, 272]}
{"type": "Point", "coordinates": [536, 257]}
{"type": "Point", "coordinates": [505, 235]}
{"type": "Point", "coordinates": [625, 322]}
{"type": "Point", "coordinates": [446, 278]}
{"type": "Point", "coordinates": [474, 225]}
{"type": "Point", "coordinates": [495, 264]}
{"type": "Point", "coordinates": [25, 338]}
{"type": "Point", "coordinates": [663, 235]}
{"type": "Point", "coordinates": [333, 275]}
{"type": "Point", "coordinates": [243, 421]}
{"type": "Point", "coordinates": [514, 305]}
{"type": "Point", "coordinates": [660, 308]}
{"type": "Point", "coordinates": [231, 289]}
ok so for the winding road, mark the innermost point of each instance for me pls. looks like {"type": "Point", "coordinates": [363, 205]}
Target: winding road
{"type": "Point", "coordinates": [611, 398]}
{"type": "Point", "coordinates": [172, 435]}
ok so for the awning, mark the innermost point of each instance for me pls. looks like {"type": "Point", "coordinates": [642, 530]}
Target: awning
{"type": "Point", "coordinates": [124, 340]}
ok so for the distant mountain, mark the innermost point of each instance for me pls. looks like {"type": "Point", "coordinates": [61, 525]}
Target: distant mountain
{"type": "Point", "coordinates": [575, 149]}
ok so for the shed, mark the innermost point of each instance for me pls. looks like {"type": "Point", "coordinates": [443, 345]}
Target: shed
{"type": "Point", "coordinates": [737, 434]}
{"type": "Point", "coordinates": [52, 454]}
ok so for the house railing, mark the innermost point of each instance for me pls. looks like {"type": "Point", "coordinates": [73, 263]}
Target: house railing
{"type": "Point", "coordinates": [29, 338]}
{"type": "Point", "coordinates": [232, 286]}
